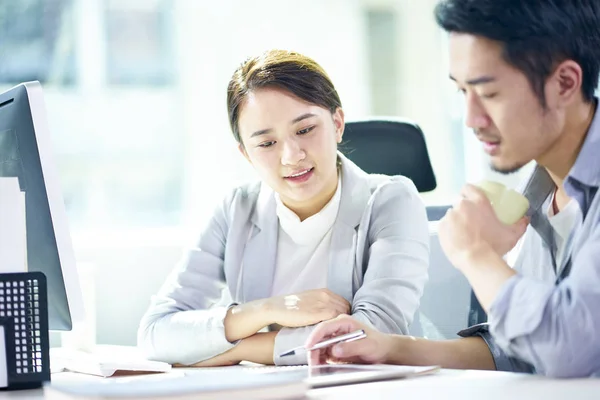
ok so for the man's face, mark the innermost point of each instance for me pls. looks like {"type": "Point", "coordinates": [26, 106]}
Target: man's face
{"type": "Point", "coordinates": [501, 107]}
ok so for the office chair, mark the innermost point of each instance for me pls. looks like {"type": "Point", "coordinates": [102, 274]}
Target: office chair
{"type": "Point", "coordinates": [394, 146]}
{"type": "Point", "coordinates": [390, 147]}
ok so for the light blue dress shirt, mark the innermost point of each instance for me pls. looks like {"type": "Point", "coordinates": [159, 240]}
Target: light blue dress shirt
{"type": "Point", "coordinates": [549, 323]}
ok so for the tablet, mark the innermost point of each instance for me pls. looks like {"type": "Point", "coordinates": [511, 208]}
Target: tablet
{"type": "Point", "coordinates": [344, 374]}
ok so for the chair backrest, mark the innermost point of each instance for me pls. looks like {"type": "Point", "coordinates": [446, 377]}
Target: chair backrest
{"type": "Point", "coordinates": [390, 147]}
{"type": "Point", "coordinates": [446, 301]}
{"type": "Point", "coordinates": [393, 146]}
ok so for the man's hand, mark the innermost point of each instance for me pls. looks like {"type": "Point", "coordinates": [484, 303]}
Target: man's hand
{"type": "Point", "coordinates": [373, 349]}
{"type": "Point", "coordinates": [471, 227]}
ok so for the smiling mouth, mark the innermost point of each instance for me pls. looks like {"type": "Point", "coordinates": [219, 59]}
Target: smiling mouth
{"type": "Point", "coordinates": [301, 173]}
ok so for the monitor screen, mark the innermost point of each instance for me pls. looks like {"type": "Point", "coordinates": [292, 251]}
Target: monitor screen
{"type": "Point", "coordinates": [26, 153]}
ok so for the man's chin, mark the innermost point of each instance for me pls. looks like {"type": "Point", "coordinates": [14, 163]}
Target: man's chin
{"type": "Point", "coordinates": [505, 169]}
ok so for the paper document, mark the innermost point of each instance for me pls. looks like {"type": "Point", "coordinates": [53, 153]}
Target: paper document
{"type": "Point", "coordinates": [13, 238]}
{"type": "Point", "coordinates": [207, 384]}
{"type": "Point", "coordinates": [3, 366]}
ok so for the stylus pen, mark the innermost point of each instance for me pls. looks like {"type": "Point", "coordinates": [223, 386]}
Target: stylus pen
{"type": "Point", "coordinates": [348, 337]}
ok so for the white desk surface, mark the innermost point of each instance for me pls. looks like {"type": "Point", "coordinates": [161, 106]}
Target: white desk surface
{"type": "Point", "coordinates": [447, 384]}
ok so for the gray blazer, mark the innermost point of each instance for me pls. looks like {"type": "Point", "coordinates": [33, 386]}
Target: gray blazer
{"type": "Point", "coordinates": [378, 262]}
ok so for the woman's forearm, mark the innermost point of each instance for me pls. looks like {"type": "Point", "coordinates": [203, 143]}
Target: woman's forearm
{"type": "Point", "coordinates": [257, 348]}
{"type": "Point", "coordinates": [244, 320]}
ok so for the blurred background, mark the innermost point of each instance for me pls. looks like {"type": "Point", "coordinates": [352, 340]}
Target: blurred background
{"type": "Point", "coordinates": [135, 93]}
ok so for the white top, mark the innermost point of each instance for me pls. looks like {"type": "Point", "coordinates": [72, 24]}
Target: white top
{"type": "Point", "coordinates": [567, 221]}
{"type": "Point", "coordinates": [564, 224]}
{"type": "Point", "coordinates": [236, 255]}
{"type": "Point", "coordinates": [303, 247]}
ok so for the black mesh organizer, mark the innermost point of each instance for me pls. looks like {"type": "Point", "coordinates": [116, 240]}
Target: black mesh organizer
{"type": "Point", "coordinates": [24, 316]}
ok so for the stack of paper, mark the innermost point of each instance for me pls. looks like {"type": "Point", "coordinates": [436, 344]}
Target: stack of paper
{"type": "Point", "coordinates": [13, 239]}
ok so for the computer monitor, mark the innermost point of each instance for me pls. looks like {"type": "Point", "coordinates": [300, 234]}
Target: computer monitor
{"type": "Point", "coordinates": [26, 153]}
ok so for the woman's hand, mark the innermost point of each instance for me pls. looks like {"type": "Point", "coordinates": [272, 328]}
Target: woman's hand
{"type": "Point", "coordinates": [294, 310]}
{"type": "Point", "coordinates": [257, 348]}
{"type": "Point", "coordinates": [222, 360]}
{"type": "Point", "coordinates": [373, 349]}
{"type": "Point", "coordinates": [306, 308]}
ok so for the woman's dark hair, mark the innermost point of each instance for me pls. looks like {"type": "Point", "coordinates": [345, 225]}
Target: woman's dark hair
{"type": "Point", "coordinates": [285, 70]}
{"type": "Point", "coordinates": [536, 35]}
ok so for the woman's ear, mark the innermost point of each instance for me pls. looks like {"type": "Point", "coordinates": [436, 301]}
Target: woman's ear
{"type": "Point", "coordinates": [242, 150]}
{"type": "Point", "coordinates": [338, 122]}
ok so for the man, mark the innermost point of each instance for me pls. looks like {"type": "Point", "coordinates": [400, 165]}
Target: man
{"type": "Point", "coordinates": [528, 71]}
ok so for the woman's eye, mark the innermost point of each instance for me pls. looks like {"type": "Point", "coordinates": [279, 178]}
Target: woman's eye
{"type": "Point", "coordinates": [488, 96]}
{"type": "Point", "coordinates": [305, 130]}
{"type": "Point", "coordinates": [266, 144]}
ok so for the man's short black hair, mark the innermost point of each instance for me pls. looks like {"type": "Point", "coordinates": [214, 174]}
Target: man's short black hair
{"type": "Point", "coordinates": [537, 35]}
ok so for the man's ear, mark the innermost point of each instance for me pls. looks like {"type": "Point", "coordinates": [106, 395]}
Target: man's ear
{"type": "Point", "coordinates": [564, 84]}
{"type": "Point", "coordinates": [339, 123]}
{"type": "Point", "coordinates": [242, 150]}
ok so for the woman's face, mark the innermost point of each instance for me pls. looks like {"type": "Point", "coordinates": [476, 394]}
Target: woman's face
{"type": "Point", "coordinates": [292, 145]}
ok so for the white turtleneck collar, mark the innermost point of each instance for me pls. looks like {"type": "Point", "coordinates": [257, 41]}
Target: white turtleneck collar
{"type": "Point", "coordinates": [313, 229]}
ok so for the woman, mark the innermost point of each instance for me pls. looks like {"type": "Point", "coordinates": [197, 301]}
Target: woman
{"type": "Point", "coordinates": [317, 237]}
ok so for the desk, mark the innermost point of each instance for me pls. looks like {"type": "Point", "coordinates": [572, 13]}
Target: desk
{"type": "Point", "coordinates": [447, 384]}
{"type": "Point", "coordinates": [463, 385]}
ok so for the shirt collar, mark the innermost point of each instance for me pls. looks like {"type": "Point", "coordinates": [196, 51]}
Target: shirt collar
{"type": "Point", "coordinates": [586, 169]}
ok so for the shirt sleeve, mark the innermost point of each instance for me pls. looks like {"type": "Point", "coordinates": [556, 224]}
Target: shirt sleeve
{"type": "Point", "coordinates": [287, 339]}
{"type": "Point", "coordinates": [553, 327]}
{"type": "Point", "coordinates": [502, 361]}
{"type": "Point", "coordinates": [398, 259]}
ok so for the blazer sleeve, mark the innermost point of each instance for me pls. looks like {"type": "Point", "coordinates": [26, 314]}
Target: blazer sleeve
{"type": "Point", "coordinates": [184, 324]}
{"type": "Point", "coordinates": [398, 258]}
{"type": "Point", "coordinates": [396, 272]}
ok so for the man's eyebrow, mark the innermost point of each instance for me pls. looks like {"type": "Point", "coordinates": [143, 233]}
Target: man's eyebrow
{"type": "Point", "coordinates": [477, 81]}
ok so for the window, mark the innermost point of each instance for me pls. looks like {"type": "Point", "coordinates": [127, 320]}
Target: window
{"type": "Point", "coordinates": [138, 42]}
{"type": "Point", "coordinates": [37, 41]}
{"type": "Point", "coordinates": [383, 66]}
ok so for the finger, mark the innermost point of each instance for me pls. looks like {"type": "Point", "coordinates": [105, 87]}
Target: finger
{"type": "Point", "coordinates": [351, 360]}
{"type": "Point", "coordinates": [352, 350]}
{"type": "Point", "coordinates": [473, 193]}
{"type": "Point", "coordinates": [323, 357]}
{"type": "Point", "coordinates": [449, 221]}
{"type": "Point", "coordinates": [334, 327]}
{"type": "Point", "coordinates": [344, 307]}
{"type": "Point", "coordinates": [340, 306]}
{"type": "Point", "coordinates": [338, 299]}
{"type": "Point", "coordinates": [520, 226]}
{"type": "Point", "coordinates": [328, 296]}
{"type": "Point", "coordinates": [316, 357]}
{"type": "Point", "coordinates": [341, 303]}
{"type": "Point", "coordinates": [330, 311]}
{"type": "Point", "coordinates": [456, 202]}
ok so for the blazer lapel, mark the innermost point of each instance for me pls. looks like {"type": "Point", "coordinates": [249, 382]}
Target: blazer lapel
{"type": "Point", "coordinates": [355, 196]}
{"type": "Point", "coordinates": [258, 261]}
